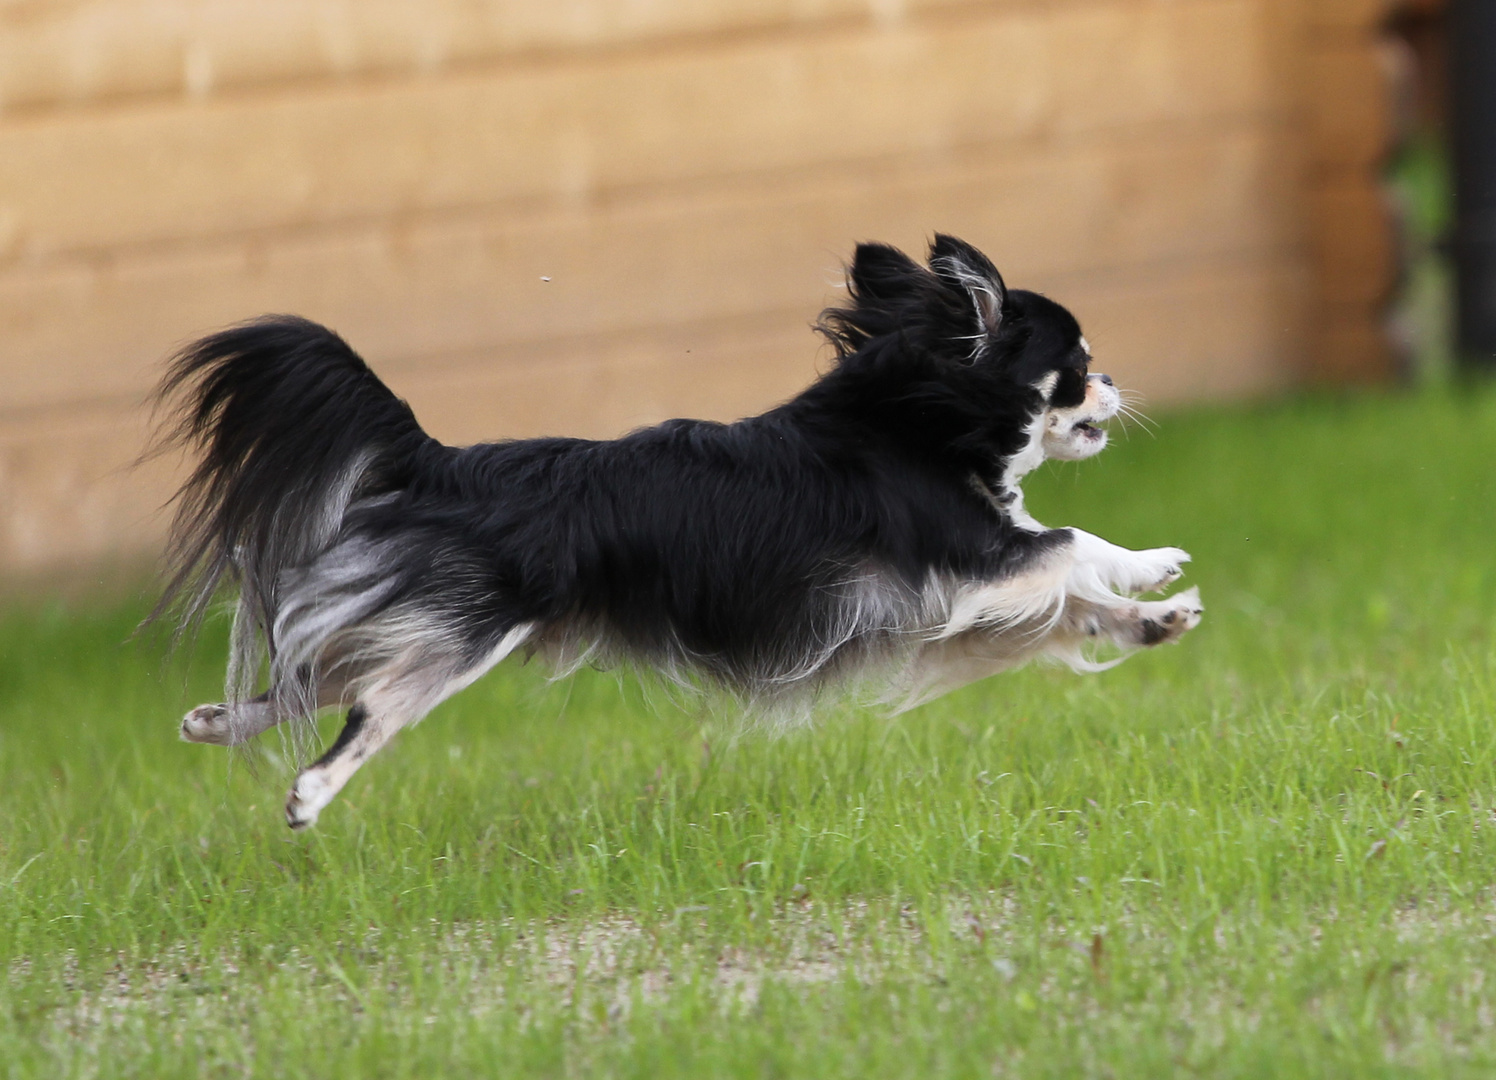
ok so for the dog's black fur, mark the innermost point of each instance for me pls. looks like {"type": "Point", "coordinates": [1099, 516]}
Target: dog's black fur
{"type": "Point", "coordinates": [730, 551]}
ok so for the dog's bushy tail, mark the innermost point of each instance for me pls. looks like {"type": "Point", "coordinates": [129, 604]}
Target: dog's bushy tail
{"type": "Point", "coordinates": [289, 425]}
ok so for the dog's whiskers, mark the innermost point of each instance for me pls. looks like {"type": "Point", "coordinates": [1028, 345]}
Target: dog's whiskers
{"type": "Point", "coordinates": [1127, 409]}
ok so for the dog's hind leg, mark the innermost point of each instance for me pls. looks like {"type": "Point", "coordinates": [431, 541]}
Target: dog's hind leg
{"type": "Point", "coordinates": [235, 722]}
{"type": "Point", "coordinates": [393, 701]}
{"type": "Point", "coordinates": [363, 734]}
{"type": "Point", "coordinates": [231, 723]}
{"type": "Point", "coordinates": [371, 722]}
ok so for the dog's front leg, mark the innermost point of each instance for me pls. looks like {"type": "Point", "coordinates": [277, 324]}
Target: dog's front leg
{"type": "Point", "coordinates": [1130, 624]}
{"type": "Point", "coordinates": [1121, 570]}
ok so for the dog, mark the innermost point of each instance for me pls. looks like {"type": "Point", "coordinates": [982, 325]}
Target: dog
{"type": "Point", "coordinates": [869, 533]}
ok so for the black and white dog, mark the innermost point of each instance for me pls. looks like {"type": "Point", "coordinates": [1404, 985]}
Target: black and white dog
{"type": "Point", "coordinates": [870, 532]}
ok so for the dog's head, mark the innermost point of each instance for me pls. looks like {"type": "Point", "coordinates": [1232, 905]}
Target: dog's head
{"type": "Point", "coordinates": [1013, 365]}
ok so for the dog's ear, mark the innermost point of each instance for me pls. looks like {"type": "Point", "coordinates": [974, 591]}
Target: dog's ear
{"type": "Point", "coordinates": [960, 266]}
{"type": "Point", "coordinates": [882, 273]}
{"type": "Point", "coordinates": [883, 283]}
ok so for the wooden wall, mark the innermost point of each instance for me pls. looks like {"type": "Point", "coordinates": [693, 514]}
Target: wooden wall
{"type": "Point", "coordinates": [1348, 133]}
{"type": "Point", "coordinates": [547, 216]}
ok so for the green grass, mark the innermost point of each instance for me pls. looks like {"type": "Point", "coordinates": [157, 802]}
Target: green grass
{"type": "Point", "coordinates": [1269, 851]}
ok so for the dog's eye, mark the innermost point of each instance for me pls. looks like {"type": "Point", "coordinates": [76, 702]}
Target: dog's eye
{"type": "Point", "coordinates": [1070, 389]}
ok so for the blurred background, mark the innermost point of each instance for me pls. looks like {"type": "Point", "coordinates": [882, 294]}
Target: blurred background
{"type": "Point", "coordinates": [578, 216]}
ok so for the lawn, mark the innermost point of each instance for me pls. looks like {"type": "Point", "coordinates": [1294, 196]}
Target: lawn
{"type": "Point", "coordinates": [1269, 851]}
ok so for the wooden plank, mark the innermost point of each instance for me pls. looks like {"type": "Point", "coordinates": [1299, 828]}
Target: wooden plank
{"type": "Point", "coordinates": [1349, 105]}
{"type": "Point", "coordinates": [1352, 242]}
{"type": "Point", "coordinates": [99, 50]}
{"type": "Point", "coordinates": [1216, 334]}
{"type": "Point", "coordinates": [1210, 331]}
{"type": "Point", "coordinates": [1349, 344]}
{"type": "Point", "coordinates": [1349, 15]}
{"type": "Point", "coordinates": [446, 284]}
{"type": "Point", "coordinates": [1213, 330]}
{"type": "Point", "coordinates": [599, 388]}
{"type": "Point", "coordinates": [578, 132]}
{"type": "Point", "coordinates": [68, 495]}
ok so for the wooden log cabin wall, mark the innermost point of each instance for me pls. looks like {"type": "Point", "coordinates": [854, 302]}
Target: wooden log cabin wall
{"type": "Point", "coordinates": [576, 216]}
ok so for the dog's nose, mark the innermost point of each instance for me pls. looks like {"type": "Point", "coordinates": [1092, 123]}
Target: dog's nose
{"type": "Point", "coordinates": [1104, 378]}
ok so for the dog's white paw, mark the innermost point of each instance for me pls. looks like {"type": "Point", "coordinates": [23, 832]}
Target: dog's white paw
{"type": "Point", "coordinates": [1155, 570]}
{"type": "Point", "coordinates": [1162, 621]}
{"type": "Point", "coordinates": [207, 724]}
{"type": "Point", "coordinates": [308, 796]}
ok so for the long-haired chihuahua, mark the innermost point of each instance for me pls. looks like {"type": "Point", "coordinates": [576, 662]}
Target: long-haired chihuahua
{"type": "Point", "coordinates": [868, 533]}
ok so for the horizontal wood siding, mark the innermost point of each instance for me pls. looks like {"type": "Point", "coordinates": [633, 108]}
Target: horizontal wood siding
{"type": "Point", "coordinates": [688, 176]}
